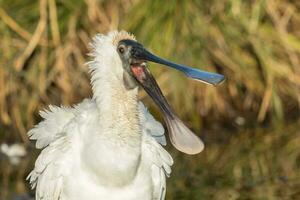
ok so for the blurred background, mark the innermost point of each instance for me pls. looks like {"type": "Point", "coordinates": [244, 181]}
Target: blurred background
{"type": "Point", "coordinates": [250, 123]}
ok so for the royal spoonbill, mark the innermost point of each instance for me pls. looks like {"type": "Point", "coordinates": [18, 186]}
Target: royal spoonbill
{"type": "Point", "coordinates": [109, 147]}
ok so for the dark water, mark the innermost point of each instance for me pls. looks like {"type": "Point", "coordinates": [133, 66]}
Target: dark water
{"type": "Point", "coordinates": [253, 164]}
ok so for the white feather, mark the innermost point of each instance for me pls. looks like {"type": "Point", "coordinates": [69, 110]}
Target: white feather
{"type": "Point", "coordinates": [106, 147]}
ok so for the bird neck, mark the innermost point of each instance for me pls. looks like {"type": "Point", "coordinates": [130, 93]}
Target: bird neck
{"type": "Point", "coordinates": [118, 106]}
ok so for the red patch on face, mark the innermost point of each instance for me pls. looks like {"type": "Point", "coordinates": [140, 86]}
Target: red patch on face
{"type": "Point", "coordinates": [138, 72]}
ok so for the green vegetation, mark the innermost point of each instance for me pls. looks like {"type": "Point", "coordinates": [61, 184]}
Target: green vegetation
{"type": "Point", "coordinates": [255, 44]}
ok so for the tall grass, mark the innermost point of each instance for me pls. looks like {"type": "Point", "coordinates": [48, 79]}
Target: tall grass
{"type": "Point", "coordinates": [254, 43]}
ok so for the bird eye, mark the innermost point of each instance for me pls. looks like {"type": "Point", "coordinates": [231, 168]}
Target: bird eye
{"type": "Point", "coordinates": [121, 49]}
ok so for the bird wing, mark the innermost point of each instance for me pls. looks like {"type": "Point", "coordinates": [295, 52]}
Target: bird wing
{"type": "Point", "coordinates": [55, 118]}
{"type": "Point", "coordinates": [55, 135]}
{"type": "Point", "coordinates": [50, 169]}
{"type": "Point", "coordinates": [160, 162]}
{"type": "Point", "coordinates": [154, 155]}
{"type": "Point", "coordinates": [51, 166]}
{"type": "Point", "coordinates": [151, 126]}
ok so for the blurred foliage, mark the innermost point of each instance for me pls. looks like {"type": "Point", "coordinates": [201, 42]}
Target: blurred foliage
{"type": "Point", "coordinates": [258, 164]}
{"type": "Point", "coordinates": [254, 43]}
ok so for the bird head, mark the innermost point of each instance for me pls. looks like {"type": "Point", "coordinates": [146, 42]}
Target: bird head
{"type": "Point", "coordinates": [134, 59]}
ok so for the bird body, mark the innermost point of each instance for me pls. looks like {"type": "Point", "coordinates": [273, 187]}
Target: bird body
{"type": "Point", "coordinates": [88, 160]}
{"type": "Point", "coordinates": [103, 148]}
{"type": "Point", "coordinates": [110, 146]}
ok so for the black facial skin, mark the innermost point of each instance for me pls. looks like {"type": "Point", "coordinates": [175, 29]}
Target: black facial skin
{"type": "Point", "coordinates": [130, 51]}
{"type": "Point", "coordinates": [124, 52]}
{"type": "Point", "coordinates": [131, 54]}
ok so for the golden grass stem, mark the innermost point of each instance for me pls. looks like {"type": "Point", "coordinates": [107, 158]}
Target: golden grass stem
{"type": "Point", "coordinates": [14, 25]}
{"type": "Point", "coordinates": [19, 64]}
{"type": "Point", "coordinates": [54, 22]}
{"type": "Point", "coordinates": [265, 103]}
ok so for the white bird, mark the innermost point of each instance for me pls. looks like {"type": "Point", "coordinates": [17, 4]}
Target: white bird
{"type": "Point", "coordinates": [13, 152]}
{"type": "Point", "coordinates": [109, 147]}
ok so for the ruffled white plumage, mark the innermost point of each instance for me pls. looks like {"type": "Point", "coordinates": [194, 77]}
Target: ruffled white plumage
{"type": "Point", "coordinates": [55, 120]}
{"type": "Point", "coordinates": [60, 148]}
{"type": "Point", "coordinates": [106, 147]}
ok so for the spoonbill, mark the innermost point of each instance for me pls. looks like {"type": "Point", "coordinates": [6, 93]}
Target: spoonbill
{"type": "Point", "coordinates": [109, 147]}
